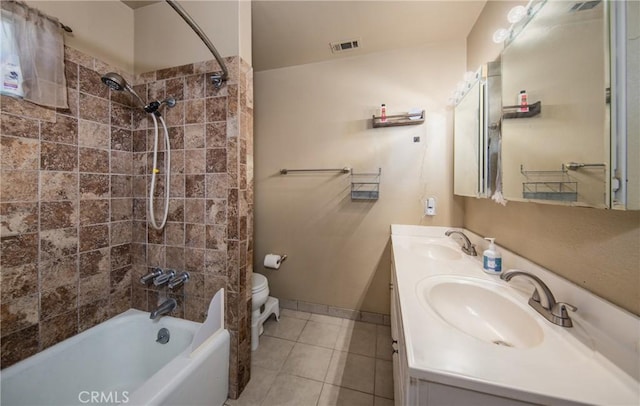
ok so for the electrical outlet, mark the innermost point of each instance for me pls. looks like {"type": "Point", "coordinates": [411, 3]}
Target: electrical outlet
{"type": "Point", "coordinates": [430, 206]}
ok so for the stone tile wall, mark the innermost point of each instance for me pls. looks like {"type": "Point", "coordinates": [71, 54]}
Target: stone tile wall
{"type": "Point", "coordinates": [210, 222]}
{"type": "Point", "coordinates": [73, 206]}
{"type": "Point", "coordinates": [65, 212]}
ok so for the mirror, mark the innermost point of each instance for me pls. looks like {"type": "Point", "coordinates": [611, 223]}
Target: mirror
{"type": "Point", "coordinates": [468, 134]}
{"type": "Point", "coordinates": [476, 135]}
{"type": "Point", "coordinates": [556, 149]}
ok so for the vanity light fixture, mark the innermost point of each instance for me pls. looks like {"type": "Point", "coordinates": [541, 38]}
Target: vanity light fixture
{"type": "Point", "coordinates": [463, 86]}
{"type": "Point", "coordinates": [500, 35]}
{"type": "Point", "coordinates": [469, 76]}
{"type": "Point", "coordinates": [516, 14]}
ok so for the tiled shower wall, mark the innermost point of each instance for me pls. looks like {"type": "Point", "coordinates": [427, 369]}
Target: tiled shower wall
{"type": "Point", "coordinates": [66, 211]}
{"type": "Point", "coordinates": [209, 227]}
{"type": "Point", "coordinates": [73, 196]}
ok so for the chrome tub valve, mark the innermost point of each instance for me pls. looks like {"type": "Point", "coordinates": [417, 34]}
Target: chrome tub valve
{"type": "Point", "coordinates": [153, 274]}
{"type": "Point", "coordinates": [178, 280]}
{"type": "Point", "coordinates": [164, 278]}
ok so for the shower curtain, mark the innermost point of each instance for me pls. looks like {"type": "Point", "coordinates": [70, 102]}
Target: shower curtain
{"type": "Point", "coordinates": [39, 44]}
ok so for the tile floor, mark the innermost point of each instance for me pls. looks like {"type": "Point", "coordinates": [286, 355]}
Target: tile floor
{"type": "Point", "coordinates": [318, 360]}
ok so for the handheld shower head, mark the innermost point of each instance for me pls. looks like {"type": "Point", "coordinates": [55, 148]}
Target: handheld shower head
{"type": "Point", "coordinates": [114, 81]}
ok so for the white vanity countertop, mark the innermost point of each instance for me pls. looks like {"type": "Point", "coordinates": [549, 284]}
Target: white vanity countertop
{"type": "Point", "coordinates": [566, 367]}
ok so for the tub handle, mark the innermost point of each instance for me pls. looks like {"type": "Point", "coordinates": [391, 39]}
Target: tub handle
{"type": "Point", "coordinates": [178, 280]}
{"type": "Point", "coordinates": [153, 274]}
{"type": "Point", "coordinates": [163, 336]}
{"type": "Point", "coordinates": [164, 278]}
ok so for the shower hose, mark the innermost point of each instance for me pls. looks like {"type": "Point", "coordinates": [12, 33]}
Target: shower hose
{"type": "Point", "coordinates": [155, 171]}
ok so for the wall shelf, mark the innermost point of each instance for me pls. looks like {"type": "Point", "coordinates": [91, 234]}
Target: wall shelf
{"type": "Point", "coordinates": [512, 111]}
{"type": "Point", "coordinates": [365, 186]}
{"type": "Point", "coordinates": [398, 120]}
{"type": "Point", "coordinates": [549, 185]}
{"type": "Point", "coordinates": [559, 191]}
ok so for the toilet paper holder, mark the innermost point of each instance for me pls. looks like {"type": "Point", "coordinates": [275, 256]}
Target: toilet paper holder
{"type": "Point", "coordinates": [274, 261]}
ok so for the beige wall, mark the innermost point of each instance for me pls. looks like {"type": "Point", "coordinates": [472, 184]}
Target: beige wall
{"type": "Point", "coordinates": [163, 39]}
{"type": "Point", "coordinates": [103, 29]}
{"type": "Point", "coordinates": [596, 249]}
{"type": "Point", "coordinates": [318, 116]}
{"type": "Point", "coordinates": [111, 31]}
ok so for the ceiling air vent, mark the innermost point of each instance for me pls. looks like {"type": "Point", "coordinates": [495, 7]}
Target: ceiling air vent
{"type": "Point", "coordinates": [342, 46]}
{"type": "Point", "coordinates": [585, 5]}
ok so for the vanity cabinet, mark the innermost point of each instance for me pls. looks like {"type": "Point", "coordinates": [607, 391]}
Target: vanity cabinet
{"type": "Point", "coordinates": [413, 391]}
{"type": "Point", "coordinates": [400, 381]}
{"type": "Point", "coordinates": [464, 337]}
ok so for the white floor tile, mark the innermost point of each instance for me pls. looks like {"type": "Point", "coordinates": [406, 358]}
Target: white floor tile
{"type": "Point", "coordinates": [384, 379]}
{"type": "Point", "coordinates": [257, 388]}
{"type": "Point", "coordinates": [384, 350]}
{"type": "Point", "coordinates": [271, 354]}
{"type": "Point", "coordinates": [357, 341]}
{"type": "Point", "coordinates": [308, 361]}
{"type": "Point", "coordinates": [337, 396]}
{"type": "Point", "coordinates": [351, 371]}
{"type": "Point", "coordinates": [288, 390]}
{"type": "Point", "coordinates": [378, 401]}
{"type": "Point", "coordinates": [321, 334]}
{"type": "Point", "coordinates": [302, 350]}
{"type": "Point", "coordinates": [360, 325]}
{"type": "Point", "coordinates": [296, 314]}
{"type": "Point", "coordinates": [287, 328]}
{"type": "Point", "coordinates": [321, 318]}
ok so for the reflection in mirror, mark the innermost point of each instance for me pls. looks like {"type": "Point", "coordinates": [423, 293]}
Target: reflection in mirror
{"type": "Point", "coordinates": [561, 152]}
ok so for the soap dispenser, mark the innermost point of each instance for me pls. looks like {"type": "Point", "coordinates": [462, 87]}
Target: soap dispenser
{"type": "Point", "coordinates": [491, 258]}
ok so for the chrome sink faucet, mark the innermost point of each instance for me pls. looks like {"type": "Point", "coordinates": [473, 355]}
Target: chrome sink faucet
{"type": "Point", "coordinates": [165, 307]}
{"type": "Point", "coordinates": [467, 247]}
{"type": "Point", "coordinates": [543, 301]}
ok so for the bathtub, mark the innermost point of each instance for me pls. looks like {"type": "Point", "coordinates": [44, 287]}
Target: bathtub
{"type": "Point", "coordinates": [120, 362]}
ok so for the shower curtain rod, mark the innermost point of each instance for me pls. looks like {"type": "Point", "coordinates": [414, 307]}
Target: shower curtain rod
{"type": "Point", "coordinates": [64, 27]}
{"type": "Point", "coordinates": [217, 79]}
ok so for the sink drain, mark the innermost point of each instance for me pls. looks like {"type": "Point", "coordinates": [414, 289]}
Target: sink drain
{"type": "Point", "coordinates": [502, 343]}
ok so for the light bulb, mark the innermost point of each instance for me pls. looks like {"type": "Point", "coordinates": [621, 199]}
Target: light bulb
{"type": "Point", "coordinates": [500, 35]}
{"type": "Point", "coordinates": [516, 14]}
{"type": "Point", "coordinates": [469, 76]}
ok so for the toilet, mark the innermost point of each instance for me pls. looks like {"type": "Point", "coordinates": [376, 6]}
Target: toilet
{"type": "Point", "coordinates": [262, 306]}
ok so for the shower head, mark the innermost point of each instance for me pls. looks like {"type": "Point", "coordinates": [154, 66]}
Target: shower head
{"type": "Point", "coordinates": [114, 81]}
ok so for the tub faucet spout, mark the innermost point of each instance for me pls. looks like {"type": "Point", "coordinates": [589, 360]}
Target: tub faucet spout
{"type": "Point", "coordinates": [467, 247]}
{"type": "Point", "coordinates": [165, 307]}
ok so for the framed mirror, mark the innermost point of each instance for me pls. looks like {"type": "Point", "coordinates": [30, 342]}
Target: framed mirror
{"type": "Point", "coordinates": [556, 145]}
{"type": "Point", "coordinates": [468, 174]}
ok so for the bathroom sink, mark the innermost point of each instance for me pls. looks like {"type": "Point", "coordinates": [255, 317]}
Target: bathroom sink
{"type": "Point", "coordinates": [435, 251]}
{"type": "Point", "coordinates": [482, 309]}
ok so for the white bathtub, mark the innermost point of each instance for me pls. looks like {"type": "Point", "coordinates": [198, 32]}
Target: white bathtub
{"type": "Point", "coordinates": [120, 362]}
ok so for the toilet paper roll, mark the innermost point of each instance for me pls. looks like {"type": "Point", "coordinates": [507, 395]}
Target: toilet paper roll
{"type": "Point", "coordinates": [272, 261]}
